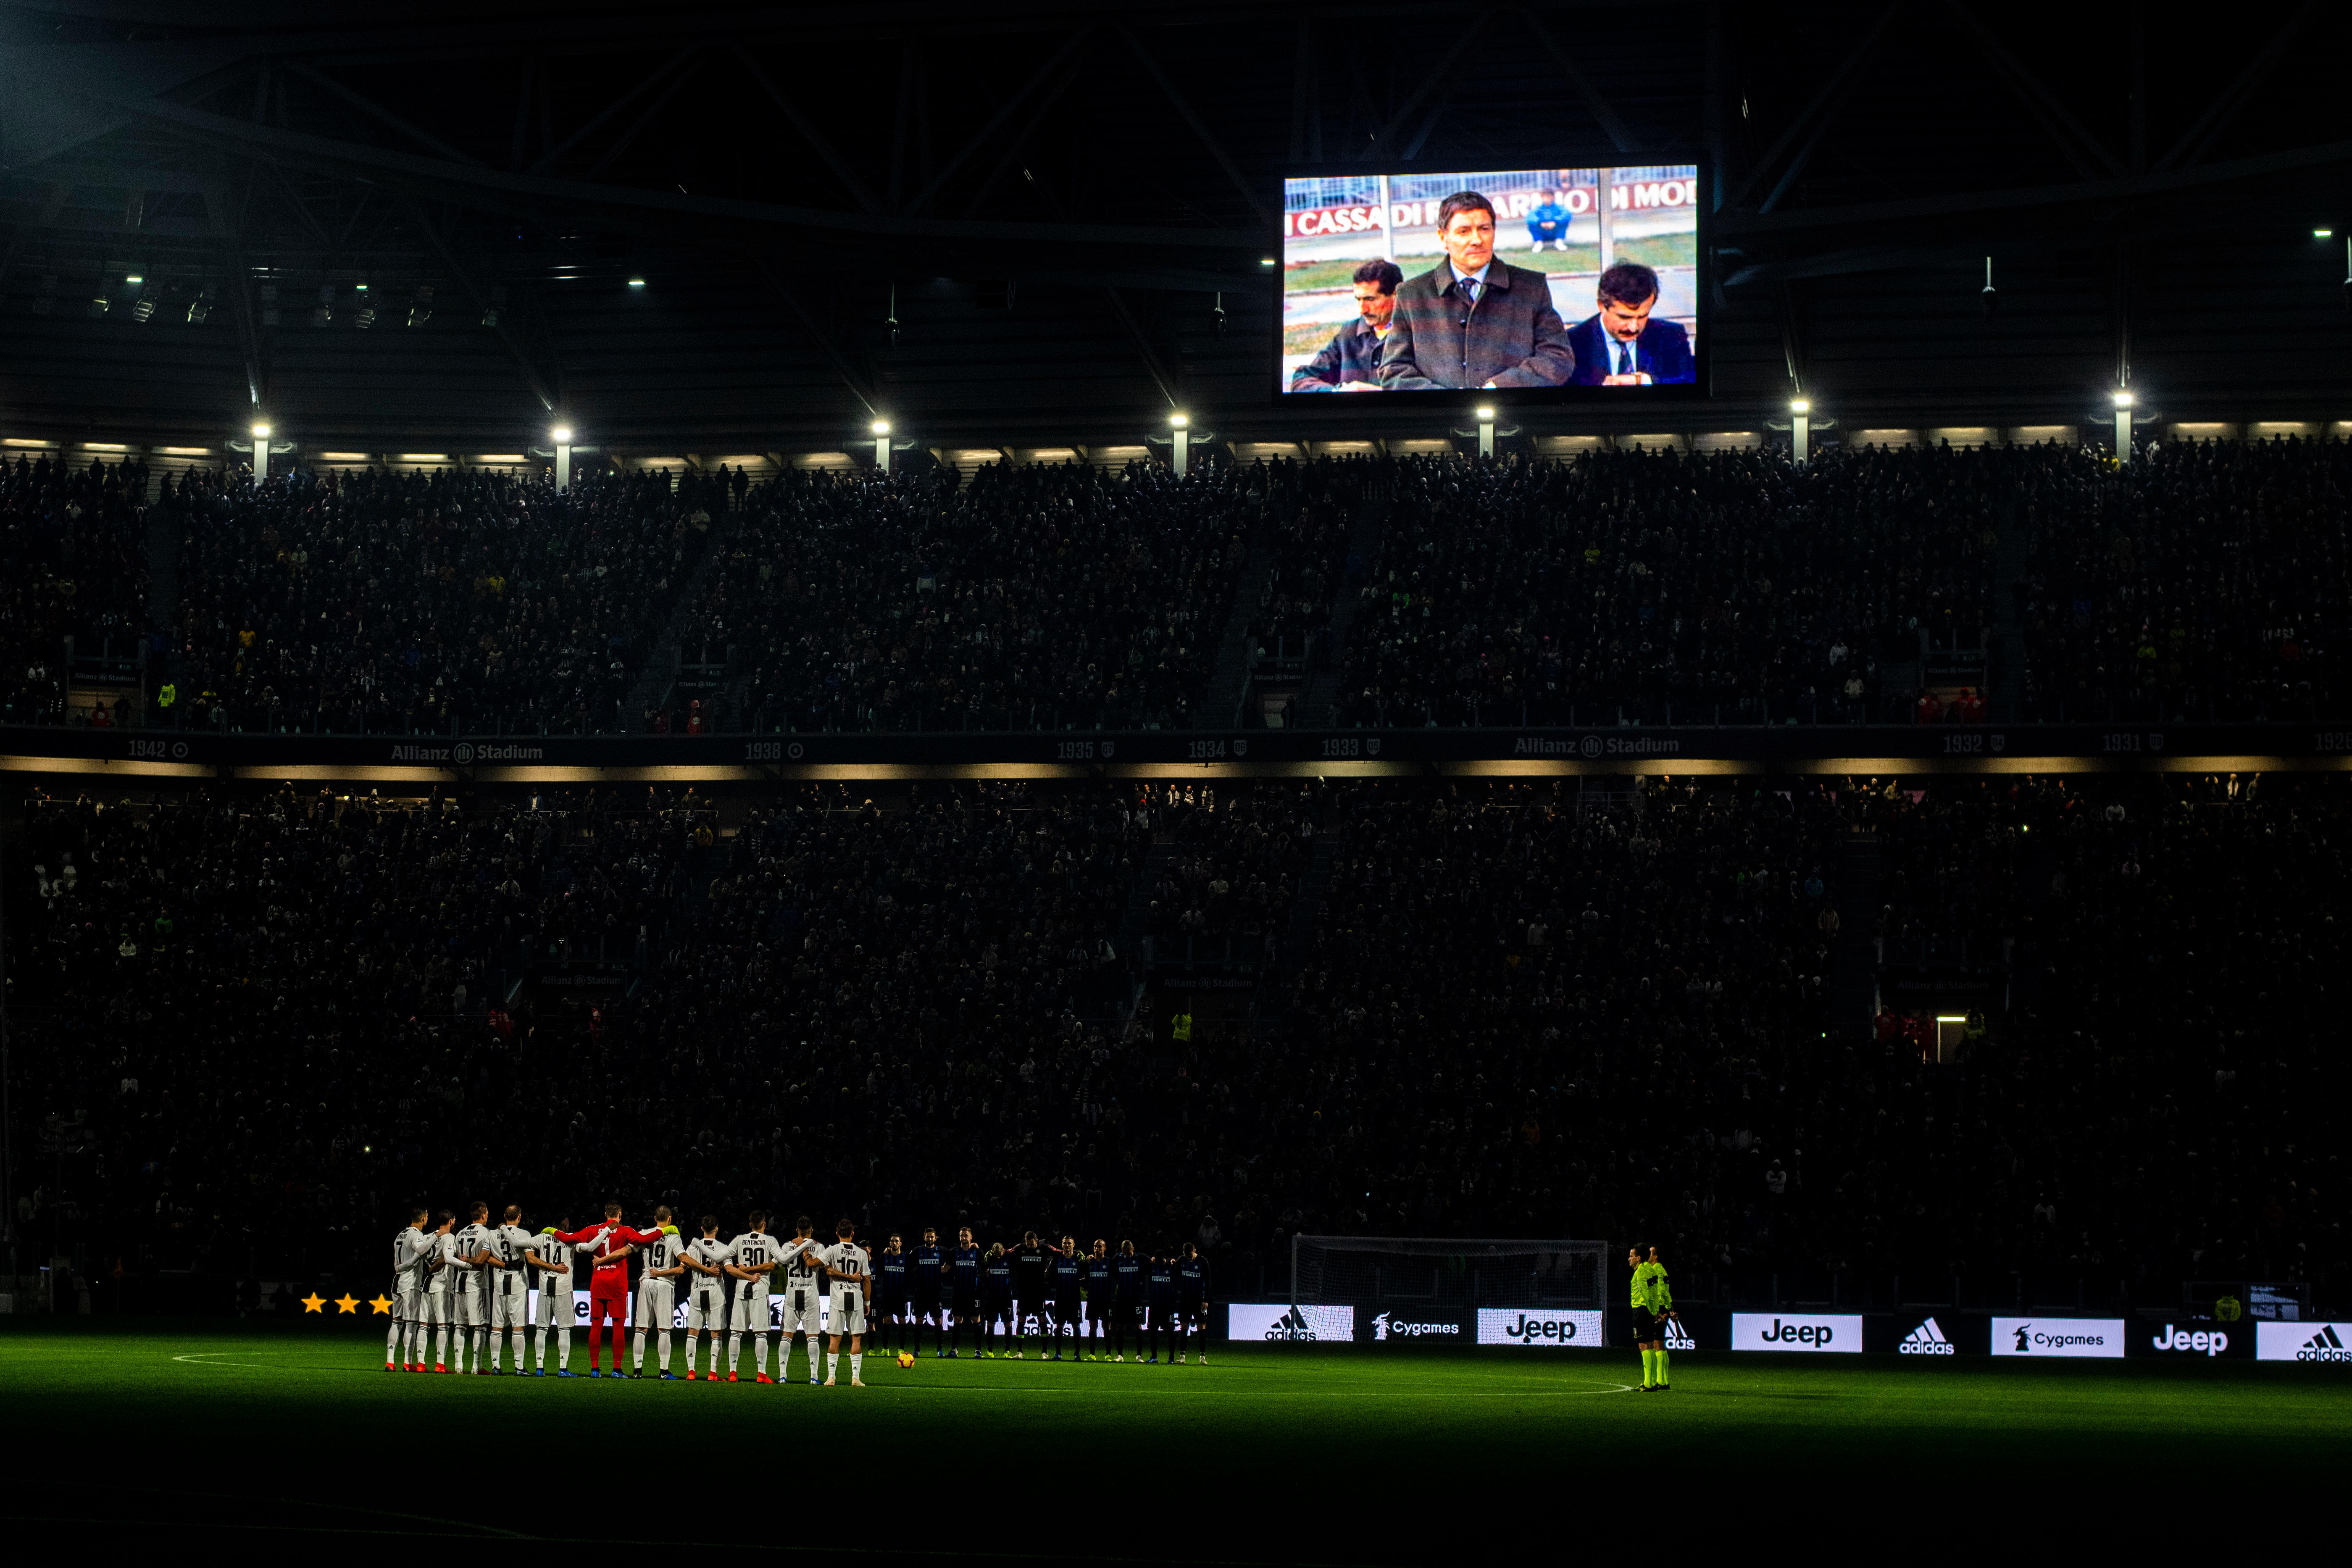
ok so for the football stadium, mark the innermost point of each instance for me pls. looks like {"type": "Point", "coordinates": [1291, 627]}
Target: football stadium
{"type": "Point", "coordinates": [1162, 779]}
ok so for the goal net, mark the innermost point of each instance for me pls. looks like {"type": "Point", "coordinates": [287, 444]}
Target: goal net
{"type": "Point", "coordinates": [1446, 1272]}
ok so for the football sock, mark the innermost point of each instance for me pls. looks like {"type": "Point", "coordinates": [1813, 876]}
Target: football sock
{"type": "Point", "coordinates": [1649, 1367]}
{"type": "Point", "coordinates": [661, 1352]}
{"type": "Point", "coordinates": [832, 1367]}
{"type": "Point", "coordinates": [1662, 1366]}
{"type": "Point", "coordinates": [856, 1366]}
{"type": "Point", "coordinates": [563, 1349]}
{"type": "Point", "coordinates": [735, 1351]}
{"type": "Point", "coordinates": [441, 1343]}
{"type": "Point", "coordinates": [391, 1341]}
{"type": "Point", "coordinates": [538, 1348]}
{"type": "Point", "coordinates": [639, 1349]}
{"type": "Point", "coordinates": [813, 1354]}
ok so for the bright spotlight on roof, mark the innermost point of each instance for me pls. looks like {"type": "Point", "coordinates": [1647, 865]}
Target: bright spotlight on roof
{"type": "Point", "coordinates": [636, 282]}
{"type": "Point", "coordinates": [1179, 420]}
{"type": "Point", "coordinates": [261, 432]}
{"type": "Point", "coordinates": [562, 434]}
{"type": "Point", "coordinates": [881, 427]}
{"type": "Point", "coordinates": [1486, 413]}
{"type": "Point", "coordinates": [1800, 405]}
{"type": "Point", "coordinates": [2123, 400]}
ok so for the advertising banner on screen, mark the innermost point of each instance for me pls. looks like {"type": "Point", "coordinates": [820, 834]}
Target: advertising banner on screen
{"type": "Point", "coordinates": [1537, 1328]}
{"type": "Point", "coordinates": [1282, 1320]}
{"type": "Point", "coordinates": [2302, 1341]}
{"type": "Point", "coordinates": [2102, 1337]}
{"type": "Point", "coordinates": [1809, 1332]}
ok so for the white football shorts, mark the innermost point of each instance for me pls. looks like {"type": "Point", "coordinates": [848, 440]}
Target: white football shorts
{"type": "Point", "coordinates": [848, 1311]}
{"type": "Point", "coordinates": [705, 1308]}
{"type": "Point", "coordinates": [803, 1310]}
{"type": "Point", "coordinates": [656, 1303]}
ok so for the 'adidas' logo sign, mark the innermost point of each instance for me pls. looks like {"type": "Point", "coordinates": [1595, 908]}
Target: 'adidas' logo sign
{"type": "Point", "coordinates": [1927, 1339]}
{"type": "Point", "coordinates": [1679, 1338]}
{"type": "Point", "coordinates": [2322, 1346]}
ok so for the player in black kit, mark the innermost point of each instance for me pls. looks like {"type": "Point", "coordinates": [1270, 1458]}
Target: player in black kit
{"type": "Point", "coordinates": [1100, 1290]}
{"type": "Point", "coordinates": [924, 1276]}
{"type": "Point", "coordinates": [996, 1296]}
{"type": "Point", "coordinates": [1028, 1290]}
{"type": "Point", "coordinates": [1127, 1301]}
{"type": "Point", "coordinates": [891, 1293]}
{"type": "Point", "coordinates": [1068, 1284]}
{"type": "Point", "coordinates": [963, 1277]}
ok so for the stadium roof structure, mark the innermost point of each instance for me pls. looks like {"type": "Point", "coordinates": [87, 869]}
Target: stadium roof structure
{"type": "Point", "coordinates": [744, 228]}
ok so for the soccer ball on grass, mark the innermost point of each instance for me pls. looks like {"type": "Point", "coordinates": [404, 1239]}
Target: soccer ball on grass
{"type": "Point", "coordinates": [906, 1358]}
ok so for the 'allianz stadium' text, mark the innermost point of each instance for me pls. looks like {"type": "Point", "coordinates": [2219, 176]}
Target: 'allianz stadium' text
{"type": "Point", "coordinates": [1596, 746]}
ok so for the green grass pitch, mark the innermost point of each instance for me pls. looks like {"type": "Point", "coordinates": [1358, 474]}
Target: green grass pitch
{"type": "Point", "coordinates": [210, 1433]}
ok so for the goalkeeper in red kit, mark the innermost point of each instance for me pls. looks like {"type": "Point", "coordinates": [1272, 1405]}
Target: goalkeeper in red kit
{"type": "Point", "coordinates": [609, 1247]}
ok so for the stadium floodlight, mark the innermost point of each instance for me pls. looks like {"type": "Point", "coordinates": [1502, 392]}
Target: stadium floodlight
{"type": "Point", "coordinates": [134, 278]}
{"type": "Point", "coordinates": [1800, 405]}
{"type": "Point", "coordinates": [563, 435]}
{"type": "Point", "coordinates": [1179, 421]}
{"type": "Point", "coordinates": [2123, 400]}
{"type": "Point", "coordinates": [261, 432]}
{"type": "Point", "coordinates": [2123, 426]}
{"type": "Point", "coordinates": [2323, 233]}
{"type": "Point", "coordinates": [1487, 414]}
{"type": "Point", "coordinates": [1800, 428]}
{"type": "Point", "coordinates": [636, 282]}
{"type": "Point", "coordinates": [881, 427]}
{"type": "Point", "coordinates": [1265, 261]}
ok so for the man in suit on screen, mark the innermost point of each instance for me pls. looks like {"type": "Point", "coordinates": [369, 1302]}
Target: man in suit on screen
{"type": "Point", "coordinates": [1474, 321]}
{"type": "Point", "coordinates": [1620, 345]}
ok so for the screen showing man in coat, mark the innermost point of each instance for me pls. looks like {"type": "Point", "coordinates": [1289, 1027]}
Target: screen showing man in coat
{"type": "Point", "coordinates": [1471, 320]}
{"type": "Point", "coordinates": [1475, 253]}
{"type": "Point", "coordinates": [1620, 345]}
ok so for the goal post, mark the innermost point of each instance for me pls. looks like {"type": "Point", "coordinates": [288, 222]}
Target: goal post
{"type": "Point", "coordinates": [1403, 1273]}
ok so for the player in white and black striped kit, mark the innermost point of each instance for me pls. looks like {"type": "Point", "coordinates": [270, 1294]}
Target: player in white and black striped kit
{"type": "Point", "coordinates": [803, 1310]}
{"type": "Point", "coordinates": [751, 1258]}
{"type": "Point", "coordinates": [441, 1286]}
{"type": "Point", "coordinates": [509, 1278]}
{"type": "Point", "coordinates": [470, 1291]}
{"type": "Point", "coordinates": [410, 1251]}
{"type": "Point", "coordinates": [657, 1291]}
{"type": "Point", "coordinates": [550, 1262]}
{"type": "Point", "coordinates": [852, 1272]}
{"type": "Point", "coordinates": [705, 1262]}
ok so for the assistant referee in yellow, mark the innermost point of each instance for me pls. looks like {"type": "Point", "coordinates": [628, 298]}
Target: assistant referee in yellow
{"type": "Point", "coordinates": [1653, 1303]}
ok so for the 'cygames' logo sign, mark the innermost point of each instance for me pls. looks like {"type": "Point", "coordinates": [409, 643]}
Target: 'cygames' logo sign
{"type": "Point", "coordinates": [2100, 1337]}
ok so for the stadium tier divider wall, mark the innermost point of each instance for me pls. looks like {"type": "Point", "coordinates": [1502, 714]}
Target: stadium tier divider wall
{"type": "Point", "coordinates": [1616, 749]}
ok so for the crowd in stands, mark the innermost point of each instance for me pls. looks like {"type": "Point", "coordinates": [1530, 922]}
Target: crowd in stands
{"type": "Point", "coordinates": [2210, 581]}
{"type": "Point", "coordinates": [259, 1019]}
{"type": "Point", "coordinates": [1673, 587]}
{"type": "Point", "coordinates": [371, 601]}
{"type": "Point", "coordinates": [73, 564]}
{"type": "Point", "coordinates": [1044, 596]}
{"type": "Point", "coordinates": [2206, 580]}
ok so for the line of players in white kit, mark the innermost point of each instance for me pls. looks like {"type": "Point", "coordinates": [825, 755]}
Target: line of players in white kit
{"type": "Point", "coordinates": [477, 1279]}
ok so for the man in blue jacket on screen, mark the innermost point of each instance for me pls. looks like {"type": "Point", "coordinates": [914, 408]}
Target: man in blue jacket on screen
{"type": "Point", "coordinates": [1620, 345]}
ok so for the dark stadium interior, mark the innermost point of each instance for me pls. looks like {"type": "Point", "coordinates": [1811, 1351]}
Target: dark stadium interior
{"type": "Point", "coordinates": [712, 605]}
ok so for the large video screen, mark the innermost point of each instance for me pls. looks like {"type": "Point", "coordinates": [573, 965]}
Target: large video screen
{"type": "Point", "coordinates": [1530, 283]}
